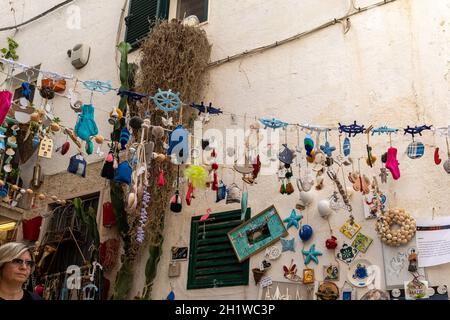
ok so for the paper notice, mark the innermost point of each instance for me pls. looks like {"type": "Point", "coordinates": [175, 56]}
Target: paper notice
{"type": "Point", "coordinates": [433, 241]}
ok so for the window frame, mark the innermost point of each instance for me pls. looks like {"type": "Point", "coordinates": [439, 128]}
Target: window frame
{"type": "Point", "coordinates": [163, 6]}
{"type": "Point", "coordinates": [196, 228]}
{"type": "Point", "coordinates": [206, 11]}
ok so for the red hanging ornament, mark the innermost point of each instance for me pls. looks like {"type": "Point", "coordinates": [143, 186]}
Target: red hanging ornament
{"type": "Point", "coordinates": [213, 153]}
{"type": "Point", "coordinates": [161, 181]}
{"type": "Point", "coordinates": [331, 243]}
{"type": "Point", "coordinates": [189, 194]}
{"type": "Point", "coordinates": [437, 159]}
{"type": "Point", "coordinates": [256, 167]}
{"type": "Point", "coordinates": [215, 184]}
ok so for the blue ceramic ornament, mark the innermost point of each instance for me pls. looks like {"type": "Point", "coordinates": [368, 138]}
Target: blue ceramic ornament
{"type": "Point", "coordinates": [171, 296]}
{"type": "Point", "coordinates": [287, 245]}
{"type": "Point", "coordinates": [36, 141]}
{"type": "Point", "coordinates": [346, 147]}
{"type": "Point", "coordinates": [311, 254]}
{"type": "Point", "coordinates": [328, 149]}
{"type": "Point", "coordinates": [309, 145]}
{"type": "Point", "coordinates": [306, 232]}
{"type": "Point", "coordinates": [293, 219]}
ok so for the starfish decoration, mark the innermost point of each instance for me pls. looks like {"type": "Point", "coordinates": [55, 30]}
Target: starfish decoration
{"type": "Point", "coordinates": [328, 149]}
{"type": "Point", "coordinates": [416, 130]}
{"type": "Point", "coordinates": [287, 245]}
{"type": "Point", "coordinates": [311, 254]}
{"type": "Point", "coordinates": [352, 129]}
{"type": "Point", "coordinates": [293, 219]}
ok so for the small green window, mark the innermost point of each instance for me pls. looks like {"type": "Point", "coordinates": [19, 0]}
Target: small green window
{"type": "Point", "coordinates": [141, 17]}
{"type": "Point", "coordinates": [197, 8]}
{"type": "Point", "coordinates": [212, 261]}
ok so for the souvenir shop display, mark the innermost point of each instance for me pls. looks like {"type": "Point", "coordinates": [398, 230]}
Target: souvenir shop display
{"type": "Point", "coordinates": [140, 147]}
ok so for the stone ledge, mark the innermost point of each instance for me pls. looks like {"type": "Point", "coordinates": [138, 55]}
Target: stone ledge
{"type": "Point", "coordinates": [12, 212]}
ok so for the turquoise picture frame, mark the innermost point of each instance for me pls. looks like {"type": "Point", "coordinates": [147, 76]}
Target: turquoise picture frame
{"type": "Point", "coordinates": [257, 233]}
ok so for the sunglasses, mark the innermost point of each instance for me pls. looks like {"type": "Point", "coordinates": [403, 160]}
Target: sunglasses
{"type": "Point", "coordinates": [20, 262]}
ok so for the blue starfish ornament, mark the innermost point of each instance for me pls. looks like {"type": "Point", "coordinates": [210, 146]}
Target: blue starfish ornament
{"type": "Point", "coordinates": [328, 149]}
{"type": "Point", "coordinates": [287, 245]}
{"type": "Point", "coordinates": [311, 254]}
{"type": "Point", "coordinates": [293, 219]}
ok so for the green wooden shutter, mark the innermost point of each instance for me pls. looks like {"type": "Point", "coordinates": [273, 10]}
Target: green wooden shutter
{"type": "Point", "coordinates": [142, 14]}
{"type": "Point", "coordinates": [212, 261]}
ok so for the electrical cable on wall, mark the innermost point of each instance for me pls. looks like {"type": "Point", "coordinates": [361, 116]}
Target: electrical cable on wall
{"type": "Point", "coordinates": [344, 20]}
{"type": "Point", "coordinates": [17, 26]}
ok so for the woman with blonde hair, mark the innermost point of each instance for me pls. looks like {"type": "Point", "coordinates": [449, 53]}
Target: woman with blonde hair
{"type": "Point", "coordinates": [16, 265]}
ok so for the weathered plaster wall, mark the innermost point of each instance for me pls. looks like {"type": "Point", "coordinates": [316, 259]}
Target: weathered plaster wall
{"type": "Point", "coordinates": [390, 68]}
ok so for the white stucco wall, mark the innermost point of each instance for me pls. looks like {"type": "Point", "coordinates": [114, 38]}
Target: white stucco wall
{"type": "Point", "coordinates": [46, 42]}
{"type": "Point", "coordinates": [392, 67]}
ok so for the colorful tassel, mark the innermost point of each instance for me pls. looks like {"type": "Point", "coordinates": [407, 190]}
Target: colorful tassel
{"type": "Point", "coordinates": [161, 181]}
{"type": "Point", "coordinates": [215, 184]}
{"type": "Point", "coordinates": [197, 175]}
{"type": "Point", "coordinates": [189, 194]}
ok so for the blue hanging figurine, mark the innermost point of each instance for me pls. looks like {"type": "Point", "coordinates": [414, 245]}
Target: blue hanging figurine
{"type": "Point", "coordinates": [26, 91]}
{"type": "Point", "coordinates": [36, 141]}
{"type": "Point", "coordinates": [124, 138]}
{"type": "Point", "coordinates": [171, 296]}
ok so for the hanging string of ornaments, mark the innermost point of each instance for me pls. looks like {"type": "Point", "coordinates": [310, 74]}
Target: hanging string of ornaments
{"type": "Point", "coordinates": [169, 101]}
